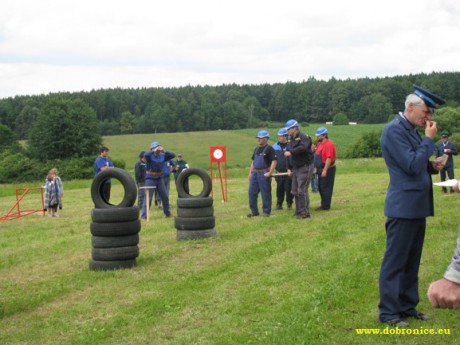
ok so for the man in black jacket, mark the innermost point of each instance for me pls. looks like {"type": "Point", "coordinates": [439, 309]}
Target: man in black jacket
{"type": "Point", "coordinates": [301, 157]}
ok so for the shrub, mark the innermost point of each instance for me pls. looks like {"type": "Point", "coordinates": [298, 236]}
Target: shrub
{"type": "Point", "coordinates": [368, 145]}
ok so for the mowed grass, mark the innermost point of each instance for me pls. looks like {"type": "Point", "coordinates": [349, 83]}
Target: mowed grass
{"type": "Point", "coordinates": [272, 280]}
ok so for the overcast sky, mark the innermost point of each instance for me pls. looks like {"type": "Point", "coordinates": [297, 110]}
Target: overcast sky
{"type": "Point", "coordinates": [62, 45]}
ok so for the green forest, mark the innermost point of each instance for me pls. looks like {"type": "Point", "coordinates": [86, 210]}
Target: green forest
{"type": "Point", "coordinates": [66, 129]}
{"type": "Point", "coordinates": [203, 108]}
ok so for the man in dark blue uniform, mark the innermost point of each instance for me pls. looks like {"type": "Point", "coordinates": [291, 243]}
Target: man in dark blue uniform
{"type": "Point", "coordinates": [283, 183]}
{"type": "Point", "coordinates": [139, 174]}
{"type": "Point", "coordinates": [446, 148]}
{"type": "Point", "coordinates": [409, 201]}
{"type": "Point", "coordinates": [262, 166]}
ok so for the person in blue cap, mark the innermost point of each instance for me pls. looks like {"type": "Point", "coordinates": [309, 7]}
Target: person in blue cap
{"type": "Point", "coordinates": [139, 174]}
{"type": "Point", "coordinates": [283, 183]}
{"type": "Point", "coordinates": [446, 148]}
{"type": "Point", "coordinates": [262, 166]}
{"type": "Point", "coordinates": [324, 161]}
{"type": "Point", "coordinates": [409, 200]}
{"type": "Point", "coordinates": [155, 160]}
{"type": "Point", "coordinates": [300, 166]}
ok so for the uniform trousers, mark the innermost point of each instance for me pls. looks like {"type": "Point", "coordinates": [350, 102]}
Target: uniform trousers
{"type": "Point", "coordinates": [283, 189]}
{"type": "Point", "coordinates": [450, 173]}
{"type": "Point", "coordinates": [260, 183]}
{"type": "Point", "coordinates": [159, 183]}
{"type": "Point", "coordinates": [398, 282]}
{"type": "Point", "coordinates": [326, 187]}
{"type": "Point", "coordinates": [300, 179]}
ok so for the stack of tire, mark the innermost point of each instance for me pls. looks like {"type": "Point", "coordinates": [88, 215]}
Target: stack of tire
{"type": "Point", "coordinates": [195, 213]}
{"type": "Point", "coordinates": [114, 228]}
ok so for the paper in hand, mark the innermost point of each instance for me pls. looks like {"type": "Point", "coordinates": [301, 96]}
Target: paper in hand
{"type": "Point", "coordinates": [448, 183]}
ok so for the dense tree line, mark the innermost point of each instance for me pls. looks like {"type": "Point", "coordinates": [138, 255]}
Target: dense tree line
{"type": "Point", "coordinates": [196, 108]}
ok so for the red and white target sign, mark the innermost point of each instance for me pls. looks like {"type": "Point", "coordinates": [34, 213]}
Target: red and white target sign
{"type": "Point", "coordinates": [218, 154]}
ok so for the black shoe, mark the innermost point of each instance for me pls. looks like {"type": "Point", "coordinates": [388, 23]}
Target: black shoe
{"type": "Point", "coordinates": [397, 323]}
{"type": "Point", "coordinates": [279, 207]}
{"type": "Point", "coordinates": [303, 216]}
{"type": "Point", "coordinates": [319, 209]}
{"type": "Point", "coordinates": [252, 215]}
{"type": "Point", "coordinates": [168, 215]}
{"type": "Point", "coordinates": [289, 206]}
{"type": "Point", "coordinates": [419, 316]}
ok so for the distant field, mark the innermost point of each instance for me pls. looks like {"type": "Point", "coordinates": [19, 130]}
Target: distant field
{"type": "Point", "coordinates": [194, 146]}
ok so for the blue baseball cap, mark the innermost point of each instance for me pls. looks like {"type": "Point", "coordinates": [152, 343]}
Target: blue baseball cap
{"type": "Point", "coordinates": [154, 144]}
{"type": "Point", "coordinates": [431, 100]}
{"type": "Point", "coordinates": [283, 131]}
{"type": "Point", "coordinates": [291, 124]}
{"type": "Point", "coordinates": [321, 131]}
{"type": "Point", "coordinates": [263, 134]}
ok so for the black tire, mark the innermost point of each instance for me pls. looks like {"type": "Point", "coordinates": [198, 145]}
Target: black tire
{"type": "Point", "coordinates": [113, 242]}
{"type": "Point", "coordinates": [115, 254]}
{"type": "Point", "coordinates": [125, 179]}
{"type": "Point", "coordinates": [115, 229]}
{"type": "Point", "coordinates": [95, 265]}
{"type": "Point", "coordinates": [195, 235]}
{"type": "Point", "coordinates": [195, 212]}
{"type": "Point", "coordinates": [181, 184]}
{"type": "Point", "coordinates": [199, 223]}
{"type": "Point", "coordinates": [114, 215]}
{"type": "Point", "coordinates": [194, 202]}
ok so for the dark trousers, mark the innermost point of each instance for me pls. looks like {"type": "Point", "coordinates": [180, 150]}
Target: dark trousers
{"type": "Point", "coordinates": [260, 183]}
{"type": "Point", "coordinates": [398, 283]}
{"type": "Point", "coordinates": [300, 180]}
{"type": "Point", "coordinates": [140, 195]}
{"type": "Point", "coordinates": [160, 187]}
{"type": "Point", "coordinates": [167, 182]}
{"type": "Point", "coordinates": [450, 174]}
{"type": "Point", "coordinates": [326, 187]}
{"type": "Point", "coordinates": [283, 189]}
{"type": "Point", "coordinates": [106, 187]}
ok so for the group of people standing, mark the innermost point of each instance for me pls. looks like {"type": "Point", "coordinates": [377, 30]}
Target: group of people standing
{"type": "Point", "coordinates": [294, 158]}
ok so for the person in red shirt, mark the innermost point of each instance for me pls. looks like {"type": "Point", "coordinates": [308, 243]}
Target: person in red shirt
{"type": "Point", "coordinates": [324, 161]}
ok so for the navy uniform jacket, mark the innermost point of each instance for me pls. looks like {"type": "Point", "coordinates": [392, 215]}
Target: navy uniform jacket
{"type": "Point", "coordinates": [410, 192]}
{"type": "Point", "coordinates": [440, 151]}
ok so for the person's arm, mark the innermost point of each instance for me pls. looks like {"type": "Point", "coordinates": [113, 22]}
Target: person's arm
{"type": "Point", "coordinates": [453, 150]}
{"type": "Point", "coordinates": [326, 166]}
{"type": "Point", "coordinates": [445, 293]}
{"type": "Point", "coordinates": [251, 169]}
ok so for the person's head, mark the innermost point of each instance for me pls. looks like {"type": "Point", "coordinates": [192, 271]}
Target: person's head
{"type": "Point", "coordinates": [104, 151]}
{"type": "Point", "coordinates": [52, 174]}
{"type": "Point", "coordinates": [321, 134]}
{"type": "Point", "coordinates": [141, 155]}
{"type": "Point", "coordinates": [420, 106]}
{"type": "Point", "coordinates": [155, 147]}
{"type": "Point", "coordinates": [283, 135]}
{"type": "Point", "coordinates": [292, 127]}
{"type": "Point", "coordinates": [179, 157]}
{"type": "Point", "coordinates": [262, 137]}
{"type": "Point", "coordinates": [445, 137]}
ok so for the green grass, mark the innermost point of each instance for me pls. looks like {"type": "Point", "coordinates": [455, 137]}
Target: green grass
{"type": "Point", "coordinates": [270, 280]}
{"type": "Point", "coordinates": [240, 144]}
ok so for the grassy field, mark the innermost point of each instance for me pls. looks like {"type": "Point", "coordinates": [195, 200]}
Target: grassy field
{"type": "Point", "coordinates": [260, 281]}
{"type": "Point", "coordinates": [194, 146]}
{"type": "Point", "coordinates": [272, 280]}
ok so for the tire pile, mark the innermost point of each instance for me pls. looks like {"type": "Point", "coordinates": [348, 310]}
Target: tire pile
{"type": "Point", "coordinates": [195, 213]}
{"type": "Point", "coordinates": [114, 228]}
